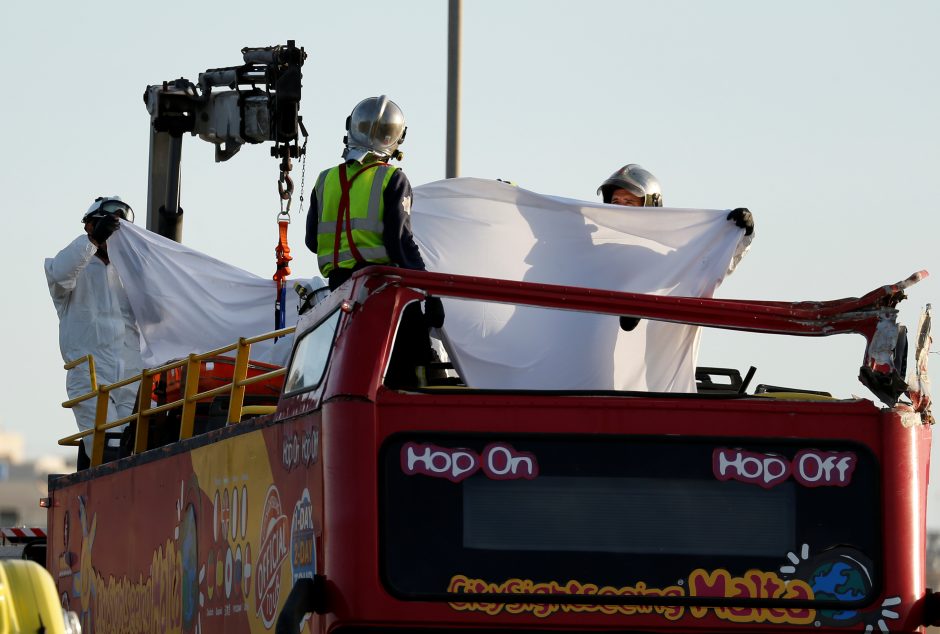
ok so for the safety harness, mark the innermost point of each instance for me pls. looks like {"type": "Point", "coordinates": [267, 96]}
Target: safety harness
{"type": "Point", "coordinates": [343, 215]}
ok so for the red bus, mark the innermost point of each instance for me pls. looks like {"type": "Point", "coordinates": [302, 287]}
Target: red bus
{"type": "Point", "coordinates": [355, 508]}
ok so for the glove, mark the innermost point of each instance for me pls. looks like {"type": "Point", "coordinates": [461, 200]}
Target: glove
{"type": "Point", "coordinates": [629, 323]}
{"type": "Point", "coordinates": [433, 312]}
{"type": "Point", "coordinates": [103, 229]}
{"type": "Point", "coordinates": [743, 218]}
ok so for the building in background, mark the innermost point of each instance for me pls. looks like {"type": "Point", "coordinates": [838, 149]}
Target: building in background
{"type": "Point", "coordinates": [23, 482]}
{"type": "Point", "coordinates": [933, 559]}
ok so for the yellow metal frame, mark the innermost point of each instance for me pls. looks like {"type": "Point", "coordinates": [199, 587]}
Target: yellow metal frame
{"type": "Point", "coordinates": [29, 601]}
{"type": "Point", "coordinates": [191, 395]}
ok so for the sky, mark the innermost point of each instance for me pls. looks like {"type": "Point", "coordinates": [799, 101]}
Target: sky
{"type": "Point", "coordinates": [821, 118]}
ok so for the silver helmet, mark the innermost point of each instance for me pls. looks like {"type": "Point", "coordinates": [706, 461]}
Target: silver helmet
{"type": "Point", "coordinates": [376, 126]}
{"type": "Point", "coordinates": [108, 206]}
{"type": "Point", "coordinates": [635, 180]}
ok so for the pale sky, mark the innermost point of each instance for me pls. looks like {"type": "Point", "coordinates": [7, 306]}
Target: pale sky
{"type": "Point", "coordinates": [821, 117]}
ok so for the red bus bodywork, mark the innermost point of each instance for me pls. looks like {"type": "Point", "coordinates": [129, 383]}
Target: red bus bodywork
{"type": "Point", "coordinates": [359, 508]}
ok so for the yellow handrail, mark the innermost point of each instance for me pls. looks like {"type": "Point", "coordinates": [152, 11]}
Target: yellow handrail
{"type": "Point", "coordinates": [94, 379]}
{"type": "Point", "coordinates": [191, 395]}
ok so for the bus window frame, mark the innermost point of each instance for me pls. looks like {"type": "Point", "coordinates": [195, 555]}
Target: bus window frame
{"type": "Point", "coordinates": [336, 313]}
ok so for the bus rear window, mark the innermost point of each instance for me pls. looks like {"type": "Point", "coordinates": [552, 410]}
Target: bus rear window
{"type": "Point", "coordinates": [642, 516]}
{"type": "Point", "coordinates": [697, 515]}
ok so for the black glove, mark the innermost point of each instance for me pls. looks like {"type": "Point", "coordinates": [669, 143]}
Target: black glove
{"type": "Point", "coordinates": [629, 323]}
{"type": "Point", "coordinates": [433, 312]}
{"type": "Point", "coordinates": [743, 218]}
{"type": "Point", "coordinates": [104, 228]}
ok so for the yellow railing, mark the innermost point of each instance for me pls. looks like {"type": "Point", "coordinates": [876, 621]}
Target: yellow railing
{"type": "Point", "coordinates": [191, 395]}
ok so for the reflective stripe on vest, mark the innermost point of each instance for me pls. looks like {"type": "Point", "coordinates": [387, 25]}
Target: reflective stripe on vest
{"type": "Point", "coordinates": [364, 224]}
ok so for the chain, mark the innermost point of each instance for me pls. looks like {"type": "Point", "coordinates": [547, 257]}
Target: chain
{"type": "Point", "coordinates": [285, 189]}
{"type": "Point", "coordinates": [285, 185]}
{"type": "Point", "coordinates": [303, 172]}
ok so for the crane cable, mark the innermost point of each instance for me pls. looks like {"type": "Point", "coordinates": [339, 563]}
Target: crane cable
{"type": "Point", "coordinates": [282, 256]}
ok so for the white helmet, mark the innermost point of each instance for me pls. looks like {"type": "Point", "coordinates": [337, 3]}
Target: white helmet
{"type": "Point", "coordinates": [310, 293]}
{"type": "Point", "coordinates": [108, 206]}
{"type": "Point", "coordinates": [635, 180]}
{"type": "Point", "coordinates": [376, 126]}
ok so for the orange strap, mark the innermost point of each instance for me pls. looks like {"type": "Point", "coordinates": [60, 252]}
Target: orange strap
{"type": "Point", "coordinates": [282, 253]}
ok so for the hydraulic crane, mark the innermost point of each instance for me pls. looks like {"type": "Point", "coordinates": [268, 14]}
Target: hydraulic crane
{"type": "Point", "coordinates": [256, 102]}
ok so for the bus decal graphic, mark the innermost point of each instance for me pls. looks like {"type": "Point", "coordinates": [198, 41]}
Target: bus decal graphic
{"type": "Point", "coordinates": [159, 601]}
{"type": "Point", "coordinates": [754, 584]}
{"type": "Point", "coordinates": [809, 467]}
{"type": "Point", "coordinates": [303, 562]}
{"type": "Point", "coordinates": [498, 461]}
{"type": "Point", "coordinates": [271, 555]}
{"type": "Point", "coordinates": [845, 574]}
{"type": "Point", "coordinates": [300, 449]}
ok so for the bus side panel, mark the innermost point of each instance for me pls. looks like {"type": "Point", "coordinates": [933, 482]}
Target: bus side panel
{"type": "Point", "coordinates": [209, 539]}
{"type": "Point", "coordinates": [350, 531]}
{"type": "Point", "coordinates": [905, 465]}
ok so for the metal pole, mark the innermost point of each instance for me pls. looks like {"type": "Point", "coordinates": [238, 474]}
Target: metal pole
{"type": "Point", "coordinates": [163, 185]}
{"type": "Point", "coordinates": [452, 165]}
{"type": "Point", "coordinates": [157, 177]}
{"type": "Point", "coordinates": [170, 222]}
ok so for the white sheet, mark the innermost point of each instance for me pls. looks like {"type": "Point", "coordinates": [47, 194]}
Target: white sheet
{"type": "Point", "coordinates": [491, 229]}
{"type": "Point", "coordinates": [186, 301]}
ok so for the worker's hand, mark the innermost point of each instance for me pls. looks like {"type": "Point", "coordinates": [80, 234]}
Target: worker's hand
{"type": "Point", "coordinates": [629, 323]}
{"type": "Point", "coordinates": [742, 218]}
{"type": "Point", "coordinates": [433, 312]}
{"type": "Point", "coordinates": [103, 229]}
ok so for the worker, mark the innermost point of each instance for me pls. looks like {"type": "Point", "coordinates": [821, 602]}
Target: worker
{"type": "Point", "coordinates": [95, 318]}
{"type": "Point", "coordinates": [633, 186]}
{"type": "Point", "coordinates": [360, 216]}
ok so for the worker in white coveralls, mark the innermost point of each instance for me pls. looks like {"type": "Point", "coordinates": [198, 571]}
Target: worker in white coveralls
{"type": "Point", "coordinates": [633, 186]}
{"type": "Point", "coordinates": [95, 317]}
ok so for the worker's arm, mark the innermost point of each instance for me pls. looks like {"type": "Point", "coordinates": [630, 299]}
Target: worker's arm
{"type": "Point", "coordinates": [744, 219]}
{"type": "Point", "coordinates": [313, 213]}
{"type": "Point", "coordinates": [399, 241]}
{"type": "Point", "coordinates": [65, 267]}
{"type": "Point", "coordinates": [310, 239]}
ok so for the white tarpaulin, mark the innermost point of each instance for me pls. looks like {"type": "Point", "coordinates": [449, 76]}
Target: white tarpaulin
{"type": "Point", "coordinates": [487, 228]}
{"type": "Point", "coordinates": [186, 301]}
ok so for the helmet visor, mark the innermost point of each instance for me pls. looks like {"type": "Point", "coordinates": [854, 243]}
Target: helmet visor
{"type": "Point", "coordinates": [117, 208]}
{"type": "Point", "coordinates": [388, 133]}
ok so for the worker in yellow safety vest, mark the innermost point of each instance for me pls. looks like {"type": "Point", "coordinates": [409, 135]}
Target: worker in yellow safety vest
{"type": "Point", "coordinates": [363, 205]}
{"type": "Point", "coordinates": [360, 215]}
